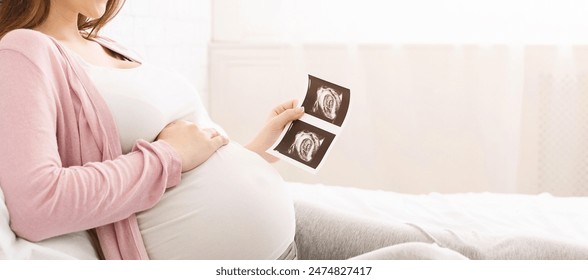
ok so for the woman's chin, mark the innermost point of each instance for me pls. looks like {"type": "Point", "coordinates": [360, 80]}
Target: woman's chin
{"type": "Point", "coordinates": [97, 11]}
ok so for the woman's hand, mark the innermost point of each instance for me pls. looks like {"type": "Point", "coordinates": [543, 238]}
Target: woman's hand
{"type": "Point", "coordinates": [278, 119]}
{"type": "Point", "coordinates": [193, 144]}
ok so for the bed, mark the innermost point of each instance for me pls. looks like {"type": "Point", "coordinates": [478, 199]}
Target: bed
{"type": "Point", "coordinates": [559, 219]}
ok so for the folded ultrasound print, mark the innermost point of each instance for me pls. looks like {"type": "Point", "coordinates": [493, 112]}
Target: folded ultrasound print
{"type": "Point", "coordinates": [306, 142]}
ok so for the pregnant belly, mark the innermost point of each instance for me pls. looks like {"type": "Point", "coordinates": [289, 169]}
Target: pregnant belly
{"type": "Point", "coordinates": [233, 206]}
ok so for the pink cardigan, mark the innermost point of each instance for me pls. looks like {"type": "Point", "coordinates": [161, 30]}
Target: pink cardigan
{"type": "Point", "coordinates": [61, 165]}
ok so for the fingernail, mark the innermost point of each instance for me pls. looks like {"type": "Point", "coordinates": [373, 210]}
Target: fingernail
{"type": "Point", "coordinates": [300, 110]}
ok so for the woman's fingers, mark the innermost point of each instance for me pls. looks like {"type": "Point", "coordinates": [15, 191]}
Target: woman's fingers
{"type": "Point", "coordinates": [193, 144]}
{"type": "Point", "coordinates": [219, 141]}
{"type": "Point", "coordinates": [288, 116]}
{"type": "Point", "coordinates": [216, 138]}
{"type": "Point", "coordinates": [285, 106]}
{"type": "Point", "coordinates": [211, 132]}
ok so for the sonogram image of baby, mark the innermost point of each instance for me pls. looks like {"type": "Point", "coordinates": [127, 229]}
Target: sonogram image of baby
{"type": "Point", "coordinates": [305, 145]}
{"type": "Point", "coordinates": [328, 102]}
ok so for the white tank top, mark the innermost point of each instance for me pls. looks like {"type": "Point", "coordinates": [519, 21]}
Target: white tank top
{"type": "Point", "coordinates": [233, 206]}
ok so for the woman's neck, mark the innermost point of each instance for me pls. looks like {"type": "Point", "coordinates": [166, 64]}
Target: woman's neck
{"type": "Point", "coordinates": [62, 24]}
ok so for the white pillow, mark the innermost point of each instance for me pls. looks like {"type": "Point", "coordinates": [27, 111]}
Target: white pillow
{"type": "Point", "coordinates": [70, 246]}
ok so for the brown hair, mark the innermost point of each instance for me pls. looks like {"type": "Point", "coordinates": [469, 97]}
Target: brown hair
{"type": "Point", "coordinates": [15, 14]}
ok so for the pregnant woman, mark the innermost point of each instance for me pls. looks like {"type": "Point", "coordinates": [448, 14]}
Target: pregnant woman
{"type": "Point", "coordinates": [63, 94]}
{"type": "Point", "coordinates": [97, 143]}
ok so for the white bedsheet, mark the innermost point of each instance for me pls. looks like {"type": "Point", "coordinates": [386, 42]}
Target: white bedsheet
{"type": "Point", "coordinates": [543, 215]}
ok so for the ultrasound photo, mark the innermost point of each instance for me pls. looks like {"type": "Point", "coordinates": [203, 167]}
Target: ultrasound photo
{"type": "Point", "coordinates": [326, 101]}
{"type": "Point", "coordinates": [305, 143]}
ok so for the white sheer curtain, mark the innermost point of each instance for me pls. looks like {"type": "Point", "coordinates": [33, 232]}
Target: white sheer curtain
{"type": "Point", "coordinates": [450, 96]}
{"type": "Point", "coordinates": [554, 155]}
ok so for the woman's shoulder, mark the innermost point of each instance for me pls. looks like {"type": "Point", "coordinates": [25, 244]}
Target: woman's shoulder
{"type": "Point", "coordinates": [22, 39]}
{"type": "Point", "coordinates": [35, 45]}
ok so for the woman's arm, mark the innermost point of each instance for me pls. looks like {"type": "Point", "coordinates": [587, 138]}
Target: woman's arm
{"type": "Point", "coordinates": [46, 199]}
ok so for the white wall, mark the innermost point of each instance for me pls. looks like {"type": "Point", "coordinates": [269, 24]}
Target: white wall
{"type": "Point", "coordinates": [172, 34]}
